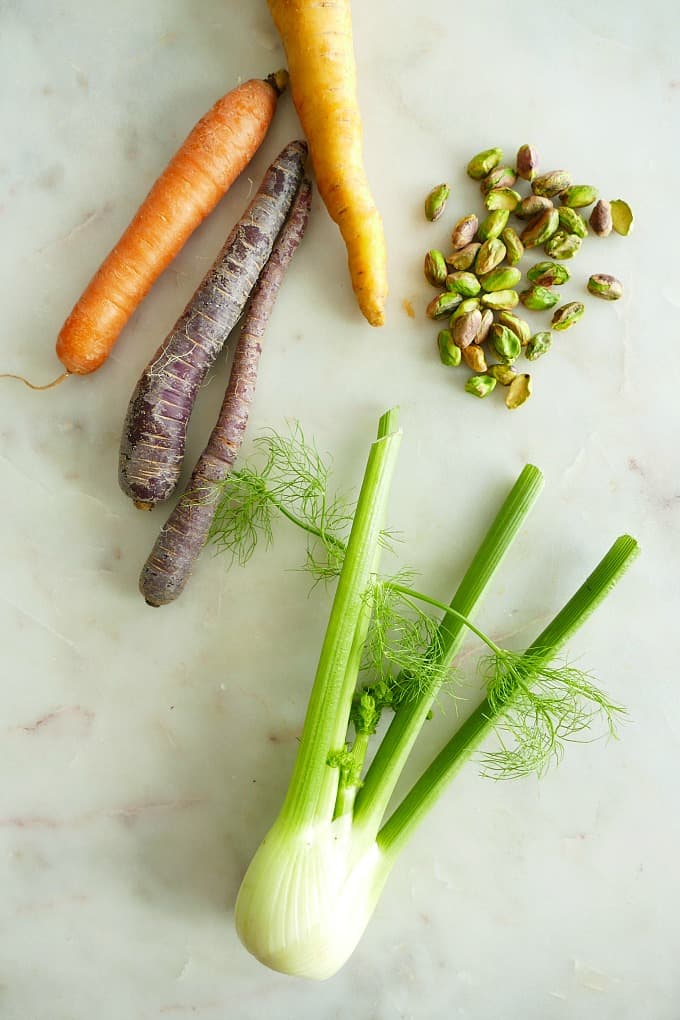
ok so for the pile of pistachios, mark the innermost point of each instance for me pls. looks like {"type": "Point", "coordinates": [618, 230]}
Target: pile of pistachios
{"type": "Point", "coordinates": [480, 276]}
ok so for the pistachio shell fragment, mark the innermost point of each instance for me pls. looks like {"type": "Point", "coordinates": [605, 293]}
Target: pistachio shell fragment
{"type": "Point", "coordinates": [449, 353]}
{"type": "Point", "coordinates": [502, 198]}
{"type": "Point", "coordinates": [501, 278]}
{"type": "Point", "coordinates": [465, 284]}
{"type": "Point", "coordinates": [443, 304]}
{"type": "Point", "coordinates": [548, 274]}
{"type": "Point", "coordinates": [566, 315]}
{"type": "Point", "coordinates": [486, 324]}
{"type": "Point", "coordinates": [604, 286]}
{"type": "Point", "coordinates": [483, 163]}
{"type": "Point", "coordinates": [505, 343]}
{"type": "Point", "coordinates": [490, 255]}
{"type": "Point", "coordinates": [501, 300]}
{"type": "Point", "coordinates": [480, 385]}
{"type": "Point", "coordinates": [539, 298]}
{"type": "Point", "coordinates": [464, 231]}
{"type": "Point", "coordinates": [622, 217]}
{"type": "Point", "coordinates": [549, 185]}
{"type": "Point", "coordinates": [435, 268]}
{"type": "Point", "coordinates": [468, 305]}
{"type": "Point", "coordinates": [601, 218]}
{"type": "Point", "coordinates": [539, 344]}
{"type": "Point", "coordinates": [542, 227]}
{"type": "Point", "coordinates": [513, 245]}
{"type": "Point", "coordinates": [435, 203]}
{"type": "Point", "coordinates": [579, 195]}
{"type": "Point", "coordinates": [562, 245]}
{"type": "Point", "coordinates": [493, 224]}
{"type": "Point", "coordinates": [572, 222]}
{"type": "Point", "coordinates": [526, 162]}
{"type": "Point", "coordinates": [531, 206]}
{"type": "Point", "coordinates": [504, 374]}
{"type": "Point", "coordinates": [519, 391]}
{"type": "Point", "coordinates": [520, 327]}
{"type": "Point", "coordinates": [464, 258]}
{"type": "Point", "coordinates": [501, 177]}
{"type": "Point", "coordinates": [464, 329]}
{"type": "Point", "coordinates": [474, 358]}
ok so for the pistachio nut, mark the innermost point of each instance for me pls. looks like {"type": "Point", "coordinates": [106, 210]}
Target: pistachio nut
{"type": "Point", "coordinates": [493, 224]}
{"type": "Point", "coordinates": [539, 344]}
{"type": "Point", "coordinates": [572, 222]}
{"type": "Point", "coordinates": [519, 327]}
{"type": "Point", "coordinates": [501, 278]}
{"type": "Point", "coordinates": [526, 162]}
{"type": "Point", "coordinates": [449, 353]}
{"type": "Point", "coordinates": [464, 258]}
{"type": "Point", "coordinates": [483, 163]}
{"type": "Point", "coordinates": [622, 217]}
{"type": "Point", "coordinates": [435, 203]}
{"type": "Point", "coordinates": [519, 391]}
{"type": "Point", "coordinates": [504, 374]}
{"type": "Point", "coordinates": [538, 230]}
{"type": "Point", "coordinates": [468, 305]}
{"type": "Point", "coordinates": [578, 196]}
{"type": "Point", "coordinates": [601, 218]}
{"type": "Point", "coordinates": [486, 324]}
{"type": "Point", "coordinates": [513, 245]}
{"type": "Point", "coordinates": [435, 268]}
{"type": "Point", "coordinates": [480, 385]}
{"type": "Point", "coordinates": [464, 329]}
{"type": "Point", "coordinates": [531, 206]}
{"type": "Point", "coordinates": [500, 300]}
{"type": "Point", "coordinates": [539, 298]}
{"type": "Point", "coordinates": [505, 343]}
{"type": "Point", "coordinates": [548, 274]}
{"type": "Point", "coordinates": [603, 285]}
{"type": "Point", "coordinates": [464, 231]}
{"type": "Point", "coordinates": [473, 356]}
{"type": "Point", "coordinates": [490, 255]}
{"type": "Point", "coordinates": [566, 315]}
{"type": "Point", "coordinates": [562, 245]}
{"type": "Point", "coordinates": [465, 284]}
{"type": "Point", "coordinates": [549, 185]}
{"type": "Point", "coordinates": [502, 198]}
{"type": "Point", "coordinates": [500, 177]}
{"type": "Point", "coordinates": [443, 304]}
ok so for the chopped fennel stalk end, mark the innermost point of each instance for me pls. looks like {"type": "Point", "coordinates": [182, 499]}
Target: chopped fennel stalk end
{"type": "Point", "coordinates": [313, 884]}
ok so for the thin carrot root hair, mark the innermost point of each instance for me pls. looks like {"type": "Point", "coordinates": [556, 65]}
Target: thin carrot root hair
{"type": "Point", "coordinates": [34, 386]}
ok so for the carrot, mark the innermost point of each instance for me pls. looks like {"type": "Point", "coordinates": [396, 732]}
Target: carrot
{"type": "Point", "coordinates": [213, 155]}
{"type": "Point", "coordinates": [317, 38]}
{"type": "Point", "coordinates": [154, 432]}
{"type": "Point", "coordinates": [179, 544]}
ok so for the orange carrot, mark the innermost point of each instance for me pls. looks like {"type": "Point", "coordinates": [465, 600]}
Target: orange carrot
{"type": "Point", "coordinates": [216, 151]}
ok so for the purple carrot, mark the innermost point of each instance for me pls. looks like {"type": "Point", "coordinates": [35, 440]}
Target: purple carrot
{"type": "Point", "coordinates": [154, 431]}
{"type": "Point", "coordinates": [171, 560]}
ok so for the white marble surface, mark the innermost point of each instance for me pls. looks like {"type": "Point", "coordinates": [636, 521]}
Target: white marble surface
{"type": "Point", "coordinates": [144, 753]}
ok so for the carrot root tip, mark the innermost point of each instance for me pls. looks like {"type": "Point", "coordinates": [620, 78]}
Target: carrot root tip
{"type": "Point", "coordinates": [33, 386]}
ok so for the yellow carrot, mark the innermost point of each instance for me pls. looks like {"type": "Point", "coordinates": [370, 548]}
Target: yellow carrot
{"type": "Point", "coordinates": [317, 37]}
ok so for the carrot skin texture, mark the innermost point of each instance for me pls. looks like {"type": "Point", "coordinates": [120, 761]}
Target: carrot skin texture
{"type": "Point", "coordinates": [169, 565]}
{"type": "Point", "coordinates": [210, 159]}
{"type": "Point", "coordinates": [317, 38]}
{"type": "Point", "coordinates": [154, 431]}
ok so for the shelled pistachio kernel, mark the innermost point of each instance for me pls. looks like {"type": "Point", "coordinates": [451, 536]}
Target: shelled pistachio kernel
{"type": "Point", "coordinates": [532, 206]}
{"type": "Point", "coordinates": [473, 356]}
{"type": "Point", "coordinates": [504, 374]}
{"type": "Point", "coordinates": [540, 228]}
{"type": "Point", "coordinates": [483, 163]}
{"type": "Point", "coordinates": [465, 257]}
{"type": "Point", "coordinates": [486, 324]}
{"type": "Point", "coordinates": [435, 203]}
{"type": "Point", "coordinates": [562, 245]}
{"type": "Point", "coordinates": [465, 284]}
{"type": "Point", "coordinates": [505, 343]}
{"type": "Point", "coordinates": [502, 198]}
{"type": "Point", "coordinates": [464, 231]}
{"type": "Point", "coordinates": [566, 315]}
{"type": "Point", "coordinates": [526, 162]}
{"type": "Point", "coordinates": [493, 224]}
{"type": "Point", "coordinates": [513, 245]}
{"type": "Point", "coordinates": [538, 299]}
{"type": "Point", "coordinates": [449, 352]}
{"type": "Point", "coordinates": [622, 217]}
{"type": "Point", "coordinates": [578, 196]}
{"type": "Point", "coordinates": [604, 286]}
{"type": "Point", "coordinates": [539, 344]}
{"type": "Point", "coordinates": [601, 218]}
{"type": "Point", "coordinates": [519, 391]}
{"type": "Point", "coordinates": [480, 385]}
{"type": "Point", "coordinates": [500, 300]}
{"type": "Point", "coordinates": [500, 177]}
{"type": "Point", "coordinates": [572, 221]}
{"type": "Point", "coordinates": [491, 253]}
{"type": "Point", "coordinates": [435, 268]}
{"type": "Point", "coordinates": [551, 184]}
{"type": "Point", "coordinates": [443, 304]}
{"type": "Point", "coordinates": [548, 274]}
{"type": "Point", "coordinates": [501, 278]}
{"type": "Point", "coordinates": [464, 329]}
{"type": "Point", "coordinates": [467, 305]}
{"type": "Point", "coordinates": [520, 327]}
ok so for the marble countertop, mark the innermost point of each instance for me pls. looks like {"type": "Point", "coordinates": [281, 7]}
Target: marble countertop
{"type": "Point", "coordinates": [143, 754]}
